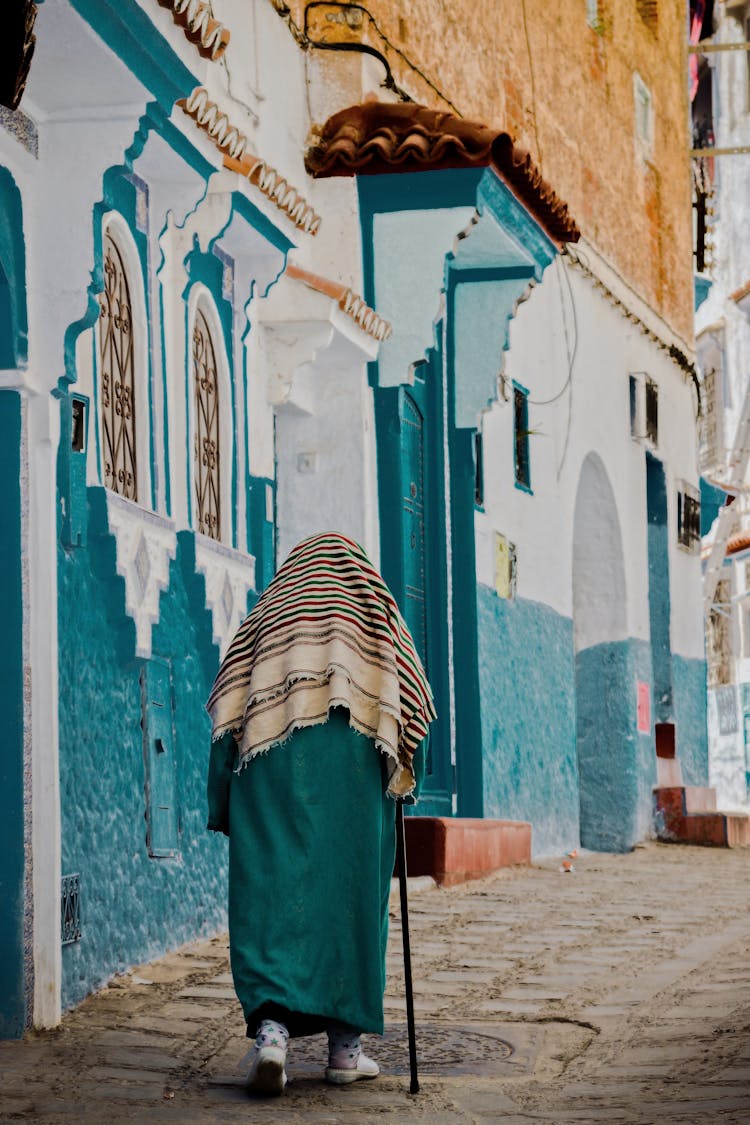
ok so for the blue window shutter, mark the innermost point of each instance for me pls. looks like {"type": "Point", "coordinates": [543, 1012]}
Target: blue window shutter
{"type": "Point", "coordinates": [162, 832]}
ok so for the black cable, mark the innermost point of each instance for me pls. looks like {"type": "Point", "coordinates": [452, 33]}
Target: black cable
{"type": "Point", "coordinates": [533, 84]}
{"type": "Point", "coordinates": [401, 856]}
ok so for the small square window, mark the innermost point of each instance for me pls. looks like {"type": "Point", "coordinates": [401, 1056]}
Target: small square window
{"type": "Point", "coordinates": [644, 114]}
{"type": "Point", "coordinates": [521, 436]}
{"type": "Point", "coordinates": [648, 10]}
{"type": "Point", "coordinates": [478, 469]}
{"type": "Point", "coordinates": [689, 518]}
{"type": "Point", "coordinates": [644, 407]}
{"type": "Point", "coordinates": [652, 411]}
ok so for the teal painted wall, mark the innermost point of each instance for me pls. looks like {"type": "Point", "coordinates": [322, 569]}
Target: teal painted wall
{"type": "Point", "coordinates": [690, 714]}
{"type": "Point", "coordinates": [12, 863]}
{"type": "Point", "coordinates": [617, 763]}
{"type": "Point", "coordinates": [13, 323]}
{"type": "Point", "coordinates": [659, 606]}
{"type": "Point", "coordinates": [132, 906]}
{"type": "Point", "coordinates": [526, 672]}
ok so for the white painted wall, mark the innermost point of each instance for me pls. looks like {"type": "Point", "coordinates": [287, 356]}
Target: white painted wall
{"type": "Point", "coordinates": [575, 409]}
{"type": "Point", "coordinates": [721, 323]}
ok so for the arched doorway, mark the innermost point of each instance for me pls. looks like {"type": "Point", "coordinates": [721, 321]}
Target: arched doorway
{"type": "Point", "coordinates": [605, 687]}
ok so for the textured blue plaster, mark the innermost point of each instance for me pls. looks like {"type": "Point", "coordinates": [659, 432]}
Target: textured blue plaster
{"type": "Point", "coordinates": [132, 907]}
{"type": "Point", "coordinates": [12, 865]}
{"type": "Point", "coordinates": [617, 764]}
{"type": "Point", "coordinates": [13, 322]}
{"type": "Point", "coordinates": [659, 605]}
{"type": "Point", "coordinates": [526, 675]}
{"type": "Point", "coordinates": [690, 714]}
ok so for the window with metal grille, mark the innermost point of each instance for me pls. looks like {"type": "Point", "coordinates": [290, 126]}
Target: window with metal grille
{"type": "Point", "coordinates": [117, 374]}
{"type": "Point", "coordinates": [478, 469]}
{"type": "Point", "coordinates": [70, 909]}
{"type": "Point", "coordinates": [689, 518]}
{"type": "Point", "coordinates": [652, 411]}
{"type": "Point", "coordinates": [521, 436]}
{"type": "Point", "coordinates": [648, 10]}
{"type": "Point", "coordinates": [206, 436]}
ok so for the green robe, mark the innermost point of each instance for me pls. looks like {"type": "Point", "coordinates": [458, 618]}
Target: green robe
{"type": "Point", "coordinates": [311, 852]}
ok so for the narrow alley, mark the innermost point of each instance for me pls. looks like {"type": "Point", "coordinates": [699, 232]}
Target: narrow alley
{"type": "Point", "coordinates": [617, 992]}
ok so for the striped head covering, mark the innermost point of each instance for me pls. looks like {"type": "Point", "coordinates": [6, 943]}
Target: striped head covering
{"type": "Point", "coordinates": [325, 633]}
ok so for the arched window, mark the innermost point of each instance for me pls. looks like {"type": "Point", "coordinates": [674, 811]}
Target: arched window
{"type": "Point", "coordinates": [117, 373]}
{"type": "Point", "coordinates": [206, 429]}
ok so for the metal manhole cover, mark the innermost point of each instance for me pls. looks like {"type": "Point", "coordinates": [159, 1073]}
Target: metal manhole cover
{"type": "Point", "coordinates": [442, 1049]}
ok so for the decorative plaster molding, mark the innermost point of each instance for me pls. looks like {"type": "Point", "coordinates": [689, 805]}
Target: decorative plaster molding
{"type": "Point", "coordinates": [206, 33]}
{"type": "Point", "coordinates": [348, 301]}
{"type": "Point", "coordinates": [208, 117]}
{"type": "Point", "coordinates": [232, 144]}
{"type": "Point", "coordinates": [229, 576]}
{"type": "Point", "coordinates": [146, 543]}
{"type": "Point", "coordinates": [296, 344]}
{"type": "Point", "coordinates": [619, 293]}
{"type": "Point", "coordinates": [273, 185]}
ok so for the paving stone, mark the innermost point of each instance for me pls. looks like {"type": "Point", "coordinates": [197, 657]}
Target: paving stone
{"type": "Point", "coordinates": [560, 950]}
{"type": "Point", "coordinates": [209, 991]}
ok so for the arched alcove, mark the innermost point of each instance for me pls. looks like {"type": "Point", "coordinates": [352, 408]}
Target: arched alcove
{"type": "Point", "coordinates": [605, 688]}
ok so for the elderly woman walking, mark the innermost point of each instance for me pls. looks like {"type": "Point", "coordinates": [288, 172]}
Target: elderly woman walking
{"type": "Point", "coordinates": [322, 674]}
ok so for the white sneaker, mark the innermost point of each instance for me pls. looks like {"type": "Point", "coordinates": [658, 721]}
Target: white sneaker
{"type": "Point", "coordinates": [341, 1076]}
{"type": "Point", "coordinates": [267, 1074]}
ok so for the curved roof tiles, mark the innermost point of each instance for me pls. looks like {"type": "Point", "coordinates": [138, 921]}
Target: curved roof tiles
{"type": "Point", "coordinates": [377, 137]}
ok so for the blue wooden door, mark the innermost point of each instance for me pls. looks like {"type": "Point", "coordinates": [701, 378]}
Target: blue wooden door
{"type": "Point", "coordinates": [423, 590]}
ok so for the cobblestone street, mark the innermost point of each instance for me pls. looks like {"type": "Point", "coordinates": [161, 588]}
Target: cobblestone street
{"type": "Point", "coordinates": [618, 992]}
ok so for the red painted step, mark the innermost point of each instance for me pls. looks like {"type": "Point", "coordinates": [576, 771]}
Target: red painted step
{"type": "Point", "coordinates": [687, 815]}
{"type": "Point", "coordinates": [454, 849]}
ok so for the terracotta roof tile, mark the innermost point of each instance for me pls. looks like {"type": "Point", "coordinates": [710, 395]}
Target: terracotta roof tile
{"type": "Point", "coordinates": [741, 293]}
{"type": "Point", "coordinates": [348, 301]}
{"type": "Point", "coordinates": [378, 137]}
{"type": "Point", "coordinates": [740, 541]}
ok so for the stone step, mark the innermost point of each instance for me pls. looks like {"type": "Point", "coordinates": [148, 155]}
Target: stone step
{"type": "Point", "coordinates": [455, 849]}
{"type": "Point", "coordinates": [700, 799]}
{"type": "Point", "coordinates": [668, 772]}
{"type": "Point", "coordinates": [682, 817]}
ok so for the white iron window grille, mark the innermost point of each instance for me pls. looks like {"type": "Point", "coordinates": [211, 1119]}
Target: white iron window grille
{"type": "Point", "coordinates": [117, 376]}
{"type": "Point", "coordinates": [206, 438]}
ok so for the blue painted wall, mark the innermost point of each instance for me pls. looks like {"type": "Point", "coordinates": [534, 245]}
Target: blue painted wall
{"type": "Point", "coordinates": [617, 763]}
{"type": "Point", "coordinates": [526, 672]}
{"type": "Point", "coordinates": [132, 906]}
{"type": "Point", "coordinates": [12, 864]}
{"type": "Point", "coordinates": [690, 714]}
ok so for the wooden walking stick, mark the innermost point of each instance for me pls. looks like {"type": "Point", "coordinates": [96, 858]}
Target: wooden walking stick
{"type": "Point", "coordinates": [401, 854]}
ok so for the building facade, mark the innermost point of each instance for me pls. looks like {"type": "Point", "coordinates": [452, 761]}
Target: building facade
{"type": "Point", "coordinates": [276, 269]}
{"type": "Point", "coordinates": [721, 116]}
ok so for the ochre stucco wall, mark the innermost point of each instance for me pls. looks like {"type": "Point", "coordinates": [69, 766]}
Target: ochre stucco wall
{"type": "Point", "coordinates": [565, 92]}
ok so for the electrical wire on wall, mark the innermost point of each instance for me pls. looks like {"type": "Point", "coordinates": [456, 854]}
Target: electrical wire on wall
{"type": "Point", "coordinates": [571, 350]}
{"type": "Point", "coordinates": [533, 84]}
{"type": "Point", "coordinates": [354, 15]}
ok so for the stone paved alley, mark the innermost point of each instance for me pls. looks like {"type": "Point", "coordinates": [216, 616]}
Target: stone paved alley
{"type": "Point", "coordinates": [619, 992]}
